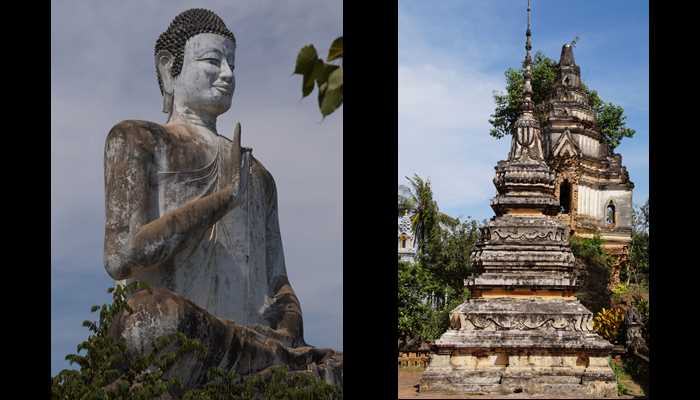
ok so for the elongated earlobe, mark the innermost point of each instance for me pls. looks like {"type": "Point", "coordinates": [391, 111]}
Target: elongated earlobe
{"type": "Point", "coordinates": [167, 103]}
{"type": "Point", "coordinates": [164, 62]}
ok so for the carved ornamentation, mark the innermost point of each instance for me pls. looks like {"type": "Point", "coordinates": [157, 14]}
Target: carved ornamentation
{"type": "Point", "coordinates": [558, 235]}
{"type": "Point", "coordinates": [524, 322]}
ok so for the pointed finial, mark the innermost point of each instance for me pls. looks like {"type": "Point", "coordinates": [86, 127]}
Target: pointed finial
{"type": "Point", "coordinates": [528, 58]}
{"type": "Point", "coordinates": [528, 34]}
{"type": "Point", "coordinates": [527, 140]}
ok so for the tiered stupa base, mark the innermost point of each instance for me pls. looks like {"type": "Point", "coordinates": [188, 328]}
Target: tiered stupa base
{"type": "Point", "coordinates": [521, 345]}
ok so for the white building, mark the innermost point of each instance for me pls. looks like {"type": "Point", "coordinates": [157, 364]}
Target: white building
{"type": "Point", "coordinates": [406, 239]}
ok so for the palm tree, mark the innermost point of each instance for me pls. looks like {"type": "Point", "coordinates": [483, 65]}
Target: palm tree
{"type": "Point", "coordinates": [418, 200]}
{"type": "Point", "coordinates": [424, 208]}
{"type": "Point", "coordinates": [406, 201]}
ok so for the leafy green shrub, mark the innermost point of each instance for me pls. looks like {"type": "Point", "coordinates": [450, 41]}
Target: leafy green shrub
{"type": "Point", "coordinates": [432, 286]}
{"type": "Point", "coordinates": [626, 296]}
{"type": "Point", "coordinates": [106, 371]}
{"type": "Point", "coordinates": [275, 383]}
{"type": "Point", "coordinates": [610, 117]}
{"type": "Point", "coordinates": [620, 289]}
{"type": "Point", "coordinates": [594, 267]}
{"type": "Point", "coordinates": [643, 309]}
{"type": "Point", "coordinates": [609, 323]}
{"type": "Point", "coordinates": [619, 374]}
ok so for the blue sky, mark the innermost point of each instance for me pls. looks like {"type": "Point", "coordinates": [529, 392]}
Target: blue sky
{"type": "Point", "coordinates": [452, 55]}
{"type": "Point", "coordinates": [102, 72]}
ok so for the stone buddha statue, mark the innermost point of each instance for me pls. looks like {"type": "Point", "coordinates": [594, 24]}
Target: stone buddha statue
{"type": "Point", "coordinates": [194, 215]}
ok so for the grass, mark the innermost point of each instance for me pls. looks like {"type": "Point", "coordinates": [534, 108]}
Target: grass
{"type": "Point", "coordinates": [632, 376]}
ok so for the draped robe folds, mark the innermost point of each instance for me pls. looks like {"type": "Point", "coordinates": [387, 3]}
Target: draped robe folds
{"type": "Point", "coordinates": [235, 268]}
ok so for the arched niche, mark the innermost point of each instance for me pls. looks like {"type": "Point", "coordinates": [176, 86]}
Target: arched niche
{"type": "Point", "coordinates": [610, 214]}
{"type": "Point", "coordinates": [565, 196]}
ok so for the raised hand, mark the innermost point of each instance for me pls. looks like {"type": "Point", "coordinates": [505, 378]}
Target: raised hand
{"type": "Point", "coordinates": [240, 170]}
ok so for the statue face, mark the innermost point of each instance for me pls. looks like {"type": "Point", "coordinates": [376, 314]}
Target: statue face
{"type": "Point", "coordinates": [206, 82]}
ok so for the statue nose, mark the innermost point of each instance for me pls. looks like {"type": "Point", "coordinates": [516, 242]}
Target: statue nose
{"type": "Point", "coordinates": [226, 72]}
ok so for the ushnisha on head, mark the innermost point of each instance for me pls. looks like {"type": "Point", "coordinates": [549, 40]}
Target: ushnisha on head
{"type": "Point", "coordinates": [194, 63]}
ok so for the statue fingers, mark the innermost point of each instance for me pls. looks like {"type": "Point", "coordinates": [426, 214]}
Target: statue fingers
{"type": "Point", "coordinates": [237, 135]}
{"type": "Point", "coordinates": [236, 149]}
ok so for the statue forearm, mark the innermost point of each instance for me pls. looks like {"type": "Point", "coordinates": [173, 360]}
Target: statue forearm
{"type": "Point", "coordinates": [157, 240]}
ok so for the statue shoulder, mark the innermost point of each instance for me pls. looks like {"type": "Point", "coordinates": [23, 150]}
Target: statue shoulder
{"type": "Point", "coordinates": [135, 133]}
{"type": "Point", "coordinates": [266, 178]}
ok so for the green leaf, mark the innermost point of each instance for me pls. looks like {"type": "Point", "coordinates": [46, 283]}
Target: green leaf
{"type": "Point", "coordinates": [305, 60]}
{"type": "Point", "coordinates": [324, 73]}
{"type": "Point", "coordinates": [311, 76]}
{"type": "Point", "coordinates": [332, 99]}
{"type": "Point", "coordinates": [335, 79]}
{"type": "Point", "coordinates": [336, 50]}
{"type": "Point", "coordinates": [321, 92]}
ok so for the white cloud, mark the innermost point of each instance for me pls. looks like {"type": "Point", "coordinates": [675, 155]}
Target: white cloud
{"type": "Point", "coordinates": [443, 131]}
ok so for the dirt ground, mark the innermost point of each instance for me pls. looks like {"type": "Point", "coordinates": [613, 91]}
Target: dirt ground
{"type": "Point", "coordinates": [409, 378]}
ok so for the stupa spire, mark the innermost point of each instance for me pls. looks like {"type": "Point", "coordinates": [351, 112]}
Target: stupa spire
{"type": "Point", "coordinates": [528, 57]}
{"type": "Point", "coordinates": [527, 143]}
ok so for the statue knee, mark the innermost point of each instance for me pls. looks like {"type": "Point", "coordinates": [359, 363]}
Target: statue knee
{"type": "Point", "coordinates": [155, 312]}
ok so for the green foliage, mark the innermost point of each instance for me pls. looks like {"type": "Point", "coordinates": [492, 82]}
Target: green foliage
{"type": "Point", "coordinates": [619, 376]}
{"type": "Point", "coordinates": [413, 312]}
{"type": "Point", "coordinates": [434, 285]}
{"type": "Point", "coordinates": [610, 117]}
{"type": "Point", "coordinates": [624, 295]}
{"type": "Point", "coordinates": [406, 202]}
{"type": "Point", "coordinates": [425, 218]}
{"type": "Point", "coordinates": [642, 306]}
{"type": "Point", "coordinates": [544, 73]}
{"type": "Point", "coordinates": [609, 323]}
{"type": "Point", "coordinates": [424, 303]}
{"type": "Point", "coordinates": [327, 77]}
{"type": "Point", "coordinates": [455, 251]}
{"type": "Point", "coordinates": [275, 383]}
{"type": "Point", "coordinates": [620, 289]}
{"type": "Point", "coordinates": [589, 249]}
{"type": "Point", "coordinates": [628, 369]}
{"type": "Point", "coordinates": [638, 370]}
{"type": "Point", "coordinates": [595, 272]}
{"type": "Point", "coordinates": [108, 372]}
{"type": "Point", "coordinates": [439, 319]}
{"type": "Point", "coordinates": [637, 269]}
{"type": "Point", "coordinates": [637, 296]}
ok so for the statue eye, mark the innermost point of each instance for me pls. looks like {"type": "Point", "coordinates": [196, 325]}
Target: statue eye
{"type": "Point", "coordinates": [212, 61]}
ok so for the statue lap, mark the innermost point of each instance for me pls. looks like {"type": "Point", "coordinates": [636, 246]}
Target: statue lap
{"type": "Point", "coordinates": [247, 350]}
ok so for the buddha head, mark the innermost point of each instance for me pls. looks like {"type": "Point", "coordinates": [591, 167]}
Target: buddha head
{"type": "Point", "coordinates": [195, 62]}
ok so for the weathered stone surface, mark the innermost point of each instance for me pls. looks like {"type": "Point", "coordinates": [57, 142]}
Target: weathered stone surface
{"type": "Point", "coordinates": [244, 349]}
{"type": "Point", "coordinates": [585, 164]}
{"type": "Point", "coordinates": [194, 215]}
{"type": "Point", "coordinates": [516, 251]}
{"type": "Point", "coordinates": [535, 378]}
{"type": "Point", "coordinates": [527, 315]}
{"type": "Point", "coordinates": [538, 343]}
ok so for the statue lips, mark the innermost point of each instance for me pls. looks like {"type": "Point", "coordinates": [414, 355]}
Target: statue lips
{"type": "Point", "coordinates": [224, 89]}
